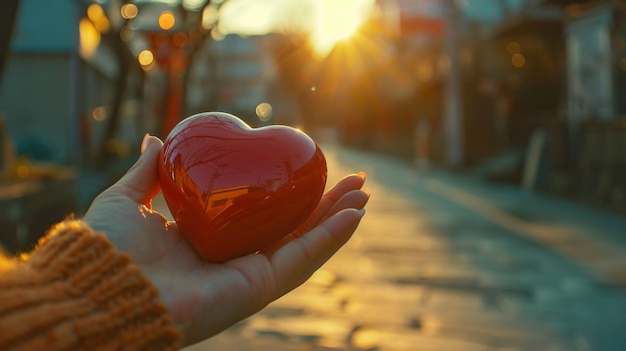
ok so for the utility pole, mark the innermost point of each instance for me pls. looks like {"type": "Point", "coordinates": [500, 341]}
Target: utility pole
{"type": "Point", "coordinates": [453, 122]}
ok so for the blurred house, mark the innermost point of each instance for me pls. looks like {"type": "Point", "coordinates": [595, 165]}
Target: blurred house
{"type": "Point", "coordinates": [595, 42]}
{"type": "Point", "coordinates": [567, 83]}
{"type": "Point", "coordinates": [60, 91]}
{"type": "Point", "coordinates": [236, 74]}
{"type": "Point", "coordinates": [528, 54]}
{"type": "Point", "coordinates": [38, 97]}
{"type": "Point", "coordinates": [59, 82]}
{"type": "Point", "coordinates": [39, 91]}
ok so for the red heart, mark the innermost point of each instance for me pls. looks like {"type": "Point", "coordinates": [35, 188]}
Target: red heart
{"type": "Point", "coordinates": [234, 190]}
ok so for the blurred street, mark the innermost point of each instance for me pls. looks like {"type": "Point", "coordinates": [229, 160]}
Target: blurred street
{"type": "Point", "coordinates": [444, 262]}
{"type": "Point", "coordinates": [495, 130]}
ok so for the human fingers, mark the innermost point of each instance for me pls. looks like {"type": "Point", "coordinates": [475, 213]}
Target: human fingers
{"type": "Point", "coordinates": [141, 183]}
{"type": "Point", "coordinates": [356, 199]}
{"type": "Point", "coordinates": [296, 261]}
{"type": "Point", "coordinates": [348, 183]}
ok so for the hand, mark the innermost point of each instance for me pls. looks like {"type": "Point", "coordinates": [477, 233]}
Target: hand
{"type": "Point", "coordinates": [205, 298]}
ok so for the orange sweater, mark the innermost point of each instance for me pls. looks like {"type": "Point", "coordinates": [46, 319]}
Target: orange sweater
{"type": "Point", "coordinates": [75, 291]}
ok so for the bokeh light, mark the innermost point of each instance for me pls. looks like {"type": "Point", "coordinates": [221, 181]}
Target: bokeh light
{"type": "Point", "coordinates": [146, 59]}
{"type": "Point", "coordinates": [89, 38]}
{"type": "Point", "coordinates": [216, 34]}
{"type": "Point", "coordinates": [518, 60]}
{"type": "Point", "coordinates": [167, 20]}
{"type": "Point", "coordinates": [99, 114]}
{"type": "Point", "coordinates": [98, 17]}
{"type": "Point", "coordinates": [264, 111]}
{"type": "Point", "coordinates": [23, 171]}
{"type": "Point", "coordinates": [180, 39]}
{"type": "Point", "coordinates": [129, 11]}
{"type": "Point", "coordinates": [193, 5]}
{"type": "Point", "coordinates": [513, 48]}
{"type": "Point", "coordinates": [209, 17]}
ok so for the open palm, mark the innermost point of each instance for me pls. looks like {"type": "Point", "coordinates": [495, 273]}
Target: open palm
{"type": "Point", "coordinates": [205, 298]}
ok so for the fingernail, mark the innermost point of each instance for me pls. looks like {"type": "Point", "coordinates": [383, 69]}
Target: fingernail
{"type": "Point", "coordinates": [361, 174]}
{"type": "Point", "coordinates": [361, 212]}
{"type": "Point", "coordinates": [144, 142]}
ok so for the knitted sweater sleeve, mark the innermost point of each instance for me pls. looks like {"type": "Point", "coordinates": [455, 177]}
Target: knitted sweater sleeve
{"type": "Point", "coordinates": [75, 291]}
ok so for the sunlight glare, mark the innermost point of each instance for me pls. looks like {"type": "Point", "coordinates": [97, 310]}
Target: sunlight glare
{"type": "Point", "coordinates": [336, 21]}
{"type": "Point", "coordinates": [328, 21]}
{"type": "Point", "coordinates": [247, 17]}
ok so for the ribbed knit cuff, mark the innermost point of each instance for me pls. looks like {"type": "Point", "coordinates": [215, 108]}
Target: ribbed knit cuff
{"type": "Point", "coordinates": [75, 292]}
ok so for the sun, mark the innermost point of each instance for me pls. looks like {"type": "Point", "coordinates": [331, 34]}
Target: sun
{"type": "Point", "coordinates": [326, 21]}
{"type": "Point", "coordinates": [337, 21]}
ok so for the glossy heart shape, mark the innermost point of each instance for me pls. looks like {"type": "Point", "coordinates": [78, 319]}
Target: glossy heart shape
{"type": "Point", "coordinates": [233, 190]}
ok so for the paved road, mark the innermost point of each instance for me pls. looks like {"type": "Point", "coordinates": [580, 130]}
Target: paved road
{"type": "Point", "coordinates": [443, 262]}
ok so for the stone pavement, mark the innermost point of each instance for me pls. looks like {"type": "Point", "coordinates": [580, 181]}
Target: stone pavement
{"type": "Point", "coordinates": [444, 262]}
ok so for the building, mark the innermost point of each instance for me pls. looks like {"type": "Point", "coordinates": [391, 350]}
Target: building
{"type": "Point", "coordinates": [39, 91]}
{"type": "Point", "coordinates": [568, 86]}
{"type": "Point", "coordinates": [235, 74]}
{"type": "Point", "coordinates": [60, 82]}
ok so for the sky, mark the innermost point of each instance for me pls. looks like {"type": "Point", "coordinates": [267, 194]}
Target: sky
{"type": "Point", "coordinates": [483, 9]}
{"type": "Point", "coordinates": [328, 21]}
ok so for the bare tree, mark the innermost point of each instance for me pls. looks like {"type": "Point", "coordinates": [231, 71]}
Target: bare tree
{"type": "Point", "coordinates": [127, 65]}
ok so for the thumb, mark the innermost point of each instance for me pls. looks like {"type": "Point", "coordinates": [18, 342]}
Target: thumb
{"type": "Point", "coordinates": [141, 182]}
